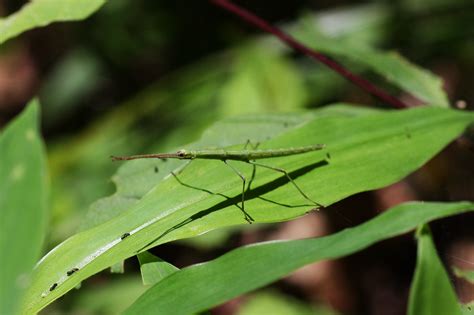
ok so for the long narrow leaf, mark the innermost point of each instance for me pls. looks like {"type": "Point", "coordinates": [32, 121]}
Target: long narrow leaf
{"type": "Point", "coordinates": [431, 292]}
{"type": "Point", "coordinates": [200, 287]}
{"type": "Point", "coordinates": [23, 204]}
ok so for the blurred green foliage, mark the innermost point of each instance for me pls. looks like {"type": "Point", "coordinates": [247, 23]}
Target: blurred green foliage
{"type": "Point", "coordinates": [135, 78]}
{"type": "Point", "coordinates": [111, 297]}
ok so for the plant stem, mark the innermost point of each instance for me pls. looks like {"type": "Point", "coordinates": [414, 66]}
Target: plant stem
{"type": "Point", "coordinates": [364, 84]}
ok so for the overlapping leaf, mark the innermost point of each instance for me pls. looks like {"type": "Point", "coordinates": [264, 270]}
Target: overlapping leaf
{"type": "Point", "coordinates": [43, 12]}
{"type": "Point", "coordinates": [431, 293]}
{"type": "Point", "coordinates": [363, 152]}
{"type": "Point", "coordinates": [200, 287]}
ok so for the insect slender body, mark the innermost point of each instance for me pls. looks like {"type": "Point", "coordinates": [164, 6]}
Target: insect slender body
{"type": "Point", "coordinates": [221, 154]}
{"type": "Point", "coordinates": [247, 156]}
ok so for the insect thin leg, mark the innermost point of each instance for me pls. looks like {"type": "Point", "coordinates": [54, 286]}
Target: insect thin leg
{"type": "Point", "coordinates": [289, 178]}
{"type": "Point", "coordinates": [247, 216]}
{"type": "Point", "coordinates": [254, 171]}
{"type": "Point", "coordinates": [248, 143]}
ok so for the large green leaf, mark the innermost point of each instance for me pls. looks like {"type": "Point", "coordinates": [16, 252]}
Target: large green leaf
{"type": "Point", "coordinates": [134, 180]}
{"type": "Point", "coordinates": [200, 287]}
{"type": "Point", "coordinates": [23, 204]}
{"type": "Point", "coordinates": [39, 13]}
{"type": "Point", "coordinates": [366, 152]}
{"type": "Point", "coordinates": [431, 291]}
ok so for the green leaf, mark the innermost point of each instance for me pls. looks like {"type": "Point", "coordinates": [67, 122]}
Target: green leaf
{"type": "Point", "coordinates": [203, 286]}
{"type": "Point", "coordinates": [118, 267]}
{"type": "Point", "coordinates": [431, 292]}
{"type": "Point", "coordinates": [153, 268]}
{"type": "Point", "coordinates": [23, 204]}
{"type": "Point", "coordinates": [393, 67]}
{"type": "Point", "coordinates": [43, 12]}
{"type": "Point", "coordinates": [369, 158]}
{"type": "Point", "coordinates": [135, 179]}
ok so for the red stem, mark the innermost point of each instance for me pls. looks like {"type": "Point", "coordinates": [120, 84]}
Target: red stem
{"type": "Point", "coordinates": [364, 84]}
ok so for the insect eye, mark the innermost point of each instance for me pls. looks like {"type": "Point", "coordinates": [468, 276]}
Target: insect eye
{"type": "Point", "coordinates": [181, 153]}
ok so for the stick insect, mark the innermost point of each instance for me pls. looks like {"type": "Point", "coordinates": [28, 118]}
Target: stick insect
{"type": "Point", "coordinates": [247, 156]}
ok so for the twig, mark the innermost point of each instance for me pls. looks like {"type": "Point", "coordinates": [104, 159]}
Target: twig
{"type": "Point", "coordinates": [364, 84]}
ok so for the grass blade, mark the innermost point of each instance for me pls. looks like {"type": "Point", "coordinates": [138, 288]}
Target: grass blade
{"type": "Point", "coordinates": [431, 291]}
{"type": "Point", "coordinates": [200, 287]}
